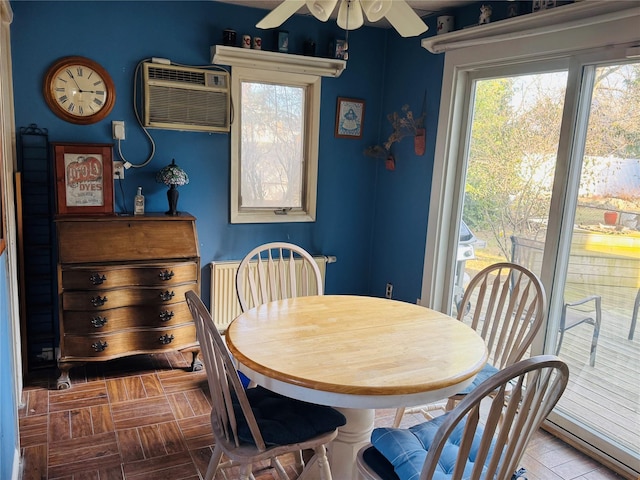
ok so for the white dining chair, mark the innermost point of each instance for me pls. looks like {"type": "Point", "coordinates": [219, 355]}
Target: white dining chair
{"type": "Point", "coordinates": [507, 307]}
{"type": "Point", "coordinates": [256, 424]}
{"type": "Point", "coordinates": [275, 271]}
{"type": "Point", "coordinates": [484, 436]}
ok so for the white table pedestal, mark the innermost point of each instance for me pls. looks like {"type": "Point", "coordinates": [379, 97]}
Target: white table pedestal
{"type": "Point", "coordinates": [351, 437]}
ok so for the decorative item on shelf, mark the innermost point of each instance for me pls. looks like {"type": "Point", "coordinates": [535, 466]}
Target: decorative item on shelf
{"type": "Point", "coordinates": [542, 5]}
{"type": "Point", "coordinates": [513, 9]}
{"type": "Point", "coordinates": [246, 41]}
{"type": "Point", "coordinates": [257, 43]}
{"type": "Point", "coordinates": [174, 176]}
{"type": "Point", "coordinates": [282, 37]}
{"type": "Point", "coordinates": [485, 14]}
{"type": "Point", "coordinates": [309, 48]}
{"type": "Point", "coordinates": [444, 24]}
{"type": "Point", "coordinates": [341, 49]}
{"type": "Point", "coordinates": [138, 203]}
{"type": "Point", "coordinates": [229, 37]}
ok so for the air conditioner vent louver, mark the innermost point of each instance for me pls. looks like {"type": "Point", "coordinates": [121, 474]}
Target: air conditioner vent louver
{"type": "Point", "coordinates": [184, 98]}
{"type": "Point", "coordinates": [196, 78]}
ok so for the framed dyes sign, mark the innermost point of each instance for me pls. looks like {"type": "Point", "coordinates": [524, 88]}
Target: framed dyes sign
{"type": "Point", "coordinates": [84, 178]}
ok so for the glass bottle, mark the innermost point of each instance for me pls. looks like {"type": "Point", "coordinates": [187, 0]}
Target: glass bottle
{"type": "Point", "coordinates": [138, 208]}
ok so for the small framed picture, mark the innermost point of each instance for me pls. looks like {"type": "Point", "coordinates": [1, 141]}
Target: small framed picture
{"type": "Point", "coordinates": [349, 117]}
{"type": "Point", "coordinates": [341, 49]}
{"type": "Point", "coordinates": [283, 41]}
{"type": "Point", "coordinates": [84, 178]}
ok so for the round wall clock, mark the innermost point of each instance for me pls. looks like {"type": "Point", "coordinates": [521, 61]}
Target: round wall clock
{"type": "Point", "coordinates": [79, 90]}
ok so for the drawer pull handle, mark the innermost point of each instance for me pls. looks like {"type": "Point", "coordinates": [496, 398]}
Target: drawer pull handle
{"type": "Point", "coordinates": [166, 339]}
{"type": "Point", "coordinates": [99, 346]}
{"type": "Point", "coordinates": [166, 315]}
{"type": "Point", "coordinates": [97, 279]}
{"type": "Point", "coordinates": [98, 301]}
{"type": "Point", "coordinates": [99, 322]}
{"type": "Point", "coordinates": [166, 275]}
{"type": "Point", "coordinates": [166, 295]}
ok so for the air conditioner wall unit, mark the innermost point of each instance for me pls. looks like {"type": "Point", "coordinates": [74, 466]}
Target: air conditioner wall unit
{"type": "Point", "coordinates": [186, 98]}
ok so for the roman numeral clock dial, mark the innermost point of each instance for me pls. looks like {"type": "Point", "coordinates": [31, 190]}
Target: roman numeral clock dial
{"type": "Point", "coordinates": [79, 90]}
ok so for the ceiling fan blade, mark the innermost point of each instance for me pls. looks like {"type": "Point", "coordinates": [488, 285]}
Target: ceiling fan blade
{"type": "Point", "coordinates": [350, 15]}
{"type": "Point", "coordinates": [405, 20]}
{"type": "Point", "coordinates": [375, 10]}
{"type": "Point", "coordinates": [280, 14]}
{"type": "Point", "coordinates": [321, 9]}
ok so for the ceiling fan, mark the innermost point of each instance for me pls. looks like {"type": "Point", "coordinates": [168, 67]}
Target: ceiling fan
{"type": "Point", "coordinates": [350, 14]}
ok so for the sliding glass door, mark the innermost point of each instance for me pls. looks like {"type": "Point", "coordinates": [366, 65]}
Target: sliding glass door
{"type": "Point", "coordinates": [549, 163]}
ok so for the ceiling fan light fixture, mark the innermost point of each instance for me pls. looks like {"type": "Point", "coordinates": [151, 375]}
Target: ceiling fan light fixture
{"type": "Point", "coordinates": [375, 10]}
{"type": "Point", "coordinates": [321, 9]}
{"type": "Point", "coordinates": [350, 15]}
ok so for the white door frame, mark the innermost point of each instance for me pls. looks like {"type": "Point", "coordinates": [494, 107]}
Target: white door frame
{"type": "Point", "coordinates": [574, 47]}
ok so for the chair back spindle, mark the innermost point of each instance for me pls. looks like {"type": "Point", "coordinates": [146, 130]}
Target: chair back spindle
{"type": "Point", "coordinates": [271, 272]}
{"type": "Point", "coordinates": [508, 308]}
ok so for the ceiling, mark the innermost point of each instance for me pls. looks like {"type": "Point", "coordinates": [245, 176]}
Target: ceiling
{"type": "Point", "coordinates": [421, 7]}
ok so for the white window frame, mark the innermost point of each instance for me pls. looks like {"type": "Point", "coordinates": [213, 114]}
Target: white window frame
{"type": "Point", "coordinates": [283, 69]}
{"type": "Point", "coordinates": [552, 35]}
{"type": "Point", "coordinates": [311, 84]}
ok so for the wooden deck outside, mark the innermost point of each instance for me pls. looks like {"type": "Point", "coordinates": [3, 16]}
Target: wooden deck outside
{"type": "Point", "coordinates": [606, 397]}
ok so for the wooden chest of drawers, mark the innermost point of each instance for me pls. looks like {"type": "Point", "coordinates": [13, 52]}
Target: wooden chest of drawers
{"type": "Point", "coordinates": [121, 284]}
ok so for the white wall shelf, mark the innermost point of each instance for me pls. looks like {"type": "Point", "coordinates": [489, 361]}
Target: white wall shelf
{"type": "Point", "coordinates": [282, 62]}
{"type": "Point", "coordinates": [543, 22]}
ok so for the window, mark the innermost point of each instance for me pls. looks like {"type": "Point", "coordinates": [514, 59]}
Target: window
{"type": "Point", "coordinates": [274, 142]}
{"type": "Point", "coordinates": [274, 135]}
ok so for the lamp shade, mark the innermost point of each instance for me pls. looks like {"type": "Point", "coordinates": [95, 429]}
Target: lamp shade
{"type": "Point", "coordinates": [350, 15]}
{"type": "Point", "coordinates": [375, 9]}
{"type": "Point", "coordinates": [172, 175]}
{"type": "Point", "coordinates": [321, 9]}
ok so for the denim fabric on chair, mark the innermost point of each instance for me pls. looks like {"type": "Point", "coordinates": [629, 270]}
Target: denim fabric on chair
{"type": "Point", "coordinates": [470, 442]}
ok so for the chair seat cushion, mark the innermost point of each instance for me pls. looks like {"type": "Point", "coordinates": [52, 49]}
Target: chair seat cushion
{"type": "Point", "coordinates": [283, 420]}
{"type": "Point", "coordinates": [379, 464]}
{"type": "Point", "coordinates": [406, 449]}
{"type": "Point", "coordinates": [487, 371]}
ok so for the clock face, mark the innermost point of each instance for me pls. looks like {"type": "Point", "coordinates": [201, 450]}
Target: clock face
{"type": "Point", "coordinates": [79, 90]}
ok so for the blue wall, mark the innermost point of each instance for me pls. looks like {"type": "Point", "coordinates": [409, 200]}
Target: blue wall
{"type": "Point", "coordinates": [8, 407]}
{"type": "Point", "coordinates": [120, 34]}
{"type": "Point", "coordinates": [372, 219]}
{"type": "Point", "coordinates": [402, 195]}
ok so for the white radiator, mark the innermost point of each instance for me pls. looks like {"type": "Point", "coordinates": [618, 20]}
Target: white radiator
{"type": "Point", "coordinates": [224, 299]}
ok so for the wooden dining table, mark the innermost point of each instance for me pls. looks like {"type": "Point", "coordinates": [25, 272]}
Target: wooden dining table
{"type": "Point", "coordinates": [357, 354]}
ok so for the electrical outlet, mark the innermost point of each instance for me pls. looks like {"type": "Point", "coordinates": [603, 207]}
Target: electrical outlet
{"type": "Point", "coordinates": [389, 290]}
{"type": "Point", "coordinates": [118, 170]}
{"type": "Point", "coordinates": [117, 128]}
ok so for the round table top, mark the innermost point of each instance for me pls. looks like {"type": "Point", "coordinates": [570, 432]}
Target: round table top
{"type": "Point", "coordinates": [382, 351]}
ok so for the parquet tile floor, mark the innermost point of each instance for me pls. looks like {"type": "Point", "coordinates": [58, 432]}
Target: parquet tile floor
{"type": "Point", "coordinates": [147, 417]}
